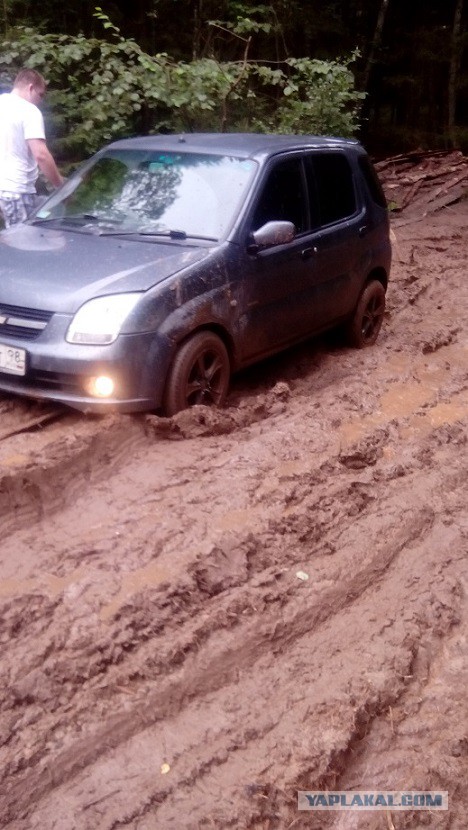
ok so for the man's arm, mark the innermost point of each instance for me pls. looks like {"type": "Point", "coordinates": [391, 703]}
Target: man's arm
{"type": "Point", "coordinates": [45, 161]}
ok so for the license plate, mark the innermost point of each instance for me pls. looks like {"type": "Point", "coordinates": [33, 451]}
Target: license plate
{"type": "Point", "coordinates": [12, 361]}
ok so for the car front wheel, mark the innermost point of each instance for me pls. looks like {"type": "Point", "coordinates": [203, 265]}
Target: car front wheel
{"type": "Point", "coordinates": [199, 374]}
{"type": "Point", "coordinates": [363, 329]}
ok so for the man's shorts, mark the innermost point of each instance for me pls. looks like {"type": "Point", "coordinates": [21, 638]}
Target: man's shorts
{"type": "Point", "coordinates": [16, 207]}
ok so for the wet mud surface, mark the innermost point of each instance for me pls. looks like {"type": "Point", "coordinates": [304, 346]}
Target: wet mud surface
{"type": "Point", "coordinates": [200, 616]}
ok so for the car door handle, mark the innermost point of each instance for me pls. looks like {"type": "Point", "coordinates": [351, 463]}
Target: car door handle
{"type": "Point", "coordinates": [307, 253]}
{"type": "Point", "coordinates": [362, 230]}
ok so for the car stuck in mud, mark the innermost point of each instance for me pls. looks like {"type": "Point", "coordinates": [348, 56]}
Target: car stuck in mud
{"type": "Point", "coordinates": [166, 263]}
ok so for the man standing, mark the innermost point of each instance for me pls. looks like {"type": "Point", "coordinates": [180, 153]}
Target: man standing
{"type": "Point", "coordinates": [23, 147]}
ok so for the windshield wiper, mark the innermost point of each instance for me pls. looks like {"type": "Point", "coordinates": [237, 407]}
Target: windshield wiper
{"type": "Point", "coordinates": [178, 235]}
{"type": "Point", "coordinates": [170, 234]}
{"type": "Point", "coordinates": [78, 219]}
{"type": "Point", "coordinates": [103, 227]}
{"type": "Point", "coordinates": [136, 232]}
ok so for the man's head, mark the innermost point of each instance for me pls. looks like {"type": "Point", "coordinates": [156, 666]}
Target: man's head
{"type": "Point", "coordinates": [30, 85]}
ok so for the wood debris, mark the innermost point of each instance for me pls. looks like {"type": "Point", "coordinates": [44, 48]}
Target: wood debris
{"type": "Point", "coordinates": [419, 183]}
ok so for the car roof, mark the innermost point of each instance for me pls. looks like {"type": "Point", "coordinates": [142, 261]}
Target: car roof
{"type": "Point", "coordinates": [240, 144]}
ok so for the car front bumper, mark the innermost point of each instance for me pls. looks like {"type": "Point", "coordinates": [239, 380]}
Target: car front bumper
{"type": "Point", "coordinates": [61, 371]}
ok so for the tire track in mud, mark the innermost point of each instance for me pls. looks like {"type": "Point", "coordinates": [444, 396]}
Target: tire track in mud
{"type": "Point", "coordinates": [172, 627]}
{"type": "Point", "coordinates": [145, 632]}
{"type": "Point", "coordinates": [369, 696]}
{"type": "Point", "coordinates": [35, 485]}
{"type": "Point", "coordinates": [429, 714]}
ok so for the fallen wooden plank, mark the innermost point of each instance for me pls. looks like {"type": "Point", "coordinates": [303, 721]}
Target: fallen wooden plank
{"type": "Point", "coordinates": [429, 197]}
{"type": "Point", "coordinates": [31, 424]}
{"type": "Point", "coordinates": [454, 195]}
{"type": "Point", "coordinates": [444, 201]}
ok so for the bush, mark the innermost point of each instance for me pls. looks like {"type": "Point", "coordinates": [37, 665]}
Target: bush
{"type": "Point", "coordinates": [101, 90]}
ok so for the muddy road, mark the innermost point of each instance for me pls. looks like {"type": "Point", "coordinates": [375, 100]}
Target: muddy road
{"type": "Point", "coordinates": [200, 616]}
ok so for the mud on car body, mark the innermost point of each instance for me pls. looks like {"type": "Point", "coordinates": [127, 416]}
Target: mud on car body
{"type": "Point", "coordinates": [166, 263]}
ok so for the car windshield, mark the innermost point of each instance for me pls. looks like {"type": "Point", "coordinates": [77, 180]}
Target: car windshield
{"type": "Point", "coordinates": [144, 191]}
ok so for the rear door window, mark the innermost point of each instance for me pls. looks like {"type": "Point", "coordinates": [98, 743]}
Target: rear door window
{"type": "Point", "coordinates": [331, 188]}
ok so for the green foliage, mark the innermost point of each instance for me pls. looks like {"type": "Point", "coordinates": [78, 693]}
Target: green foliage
{"type": "Point", "coordinates": [416, 74]}
{"type": "Point", "coordinates": [247, 20]}
{"type": "Point", "coordinates": [103, 89]}
{"type": "Point", "coordinates": [105, 20]}
{"type": "Point", "coordinates": [318, 97]}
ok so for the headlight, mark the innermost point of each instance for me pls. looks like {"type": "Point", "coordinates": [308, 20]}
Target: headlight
{"type": "Point", "coordinates": [99, 321]}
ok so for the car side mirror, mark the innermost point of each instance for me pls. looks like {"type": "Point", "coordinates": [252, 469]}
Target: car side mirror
{"type": "Point", "coordinates": [271, 234]}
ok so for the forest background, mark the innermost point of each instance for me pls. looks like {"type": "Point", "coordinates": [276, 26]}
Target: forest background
{"type": "Point", "coordinates": [392, 72]}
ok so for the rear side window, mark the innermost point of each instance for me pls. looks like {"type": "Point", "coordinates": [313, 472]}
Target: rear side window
{"type": "Point", "coordinates": [372, 181]}
{"type": "Point", "coordinates": [330, 178]}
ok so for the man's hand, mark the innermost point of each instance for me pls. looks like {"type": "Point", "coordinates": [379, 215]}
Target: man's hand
{"type": "Point", "coordinates": [45, 161]}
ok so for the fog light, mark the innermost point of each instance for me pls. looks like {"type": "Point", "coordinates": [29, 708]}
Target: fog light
{"type": "Point", "coordinates": [101, 387]}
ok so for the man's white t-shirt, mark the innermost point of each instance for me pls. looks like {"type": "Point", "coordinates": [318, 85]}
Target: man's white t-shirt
{"type": "Point", "coordinates": [19, 121]}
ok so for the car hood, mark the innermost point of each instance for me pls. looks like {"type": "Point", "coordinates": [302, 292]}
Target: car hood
{"type": "Point", "coordinates": [58, 271]}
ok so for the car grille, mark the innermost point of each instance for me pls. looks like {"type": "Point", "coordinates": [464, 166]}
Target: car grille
{"type": "Point", "coordinates": [23, 323]}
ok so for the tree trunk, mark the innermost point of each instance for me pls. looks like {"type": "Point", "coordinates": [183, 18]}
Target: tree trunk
{"type": "Point", "coordinates": [454, 69]}
{"type": "Point", "coordinates": [375, 45]}
{"type": "Point", "coordinates": [197, 28]}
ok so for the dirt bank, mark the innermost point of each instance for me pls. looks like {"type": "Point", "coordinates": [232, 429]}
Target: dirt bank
{"type": "Point", "coordinates": [200, 616]}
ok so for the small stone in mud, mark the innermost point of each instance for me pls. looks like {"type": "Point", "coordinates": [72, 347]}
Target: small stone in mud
{"type": "Point", "coordinates": [361, 458]}
{"type": "Point", "coordinates": [281, 390]}
{"type": "Point", "coordinates": [458, 747]}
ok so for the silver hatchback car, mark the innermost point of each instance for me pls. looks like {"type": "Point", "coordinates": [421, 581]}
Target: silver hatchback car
{"type": "Point", "coordinates": [166, 263]}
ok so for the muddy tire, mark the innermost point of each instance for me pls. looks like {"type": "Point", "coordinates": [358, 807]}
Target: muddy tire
{"type": "Point", "coordinates": [364, 327]}
{"type": "Point", "coordinates": [199, 374]}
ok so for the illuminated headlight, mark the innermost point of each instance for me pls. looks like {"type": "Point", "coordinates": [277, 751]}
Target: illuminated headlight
{"type": "Point", "coordinates": [98, 322]}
